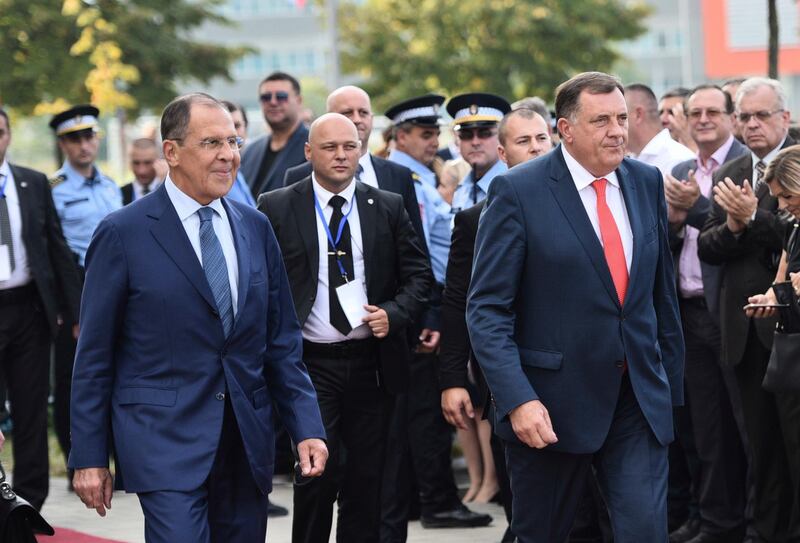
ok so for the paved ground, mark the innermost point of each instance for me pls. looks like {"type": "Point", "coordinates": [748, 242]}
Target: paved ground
{"type": "Point", "coordinates": [124, 522]}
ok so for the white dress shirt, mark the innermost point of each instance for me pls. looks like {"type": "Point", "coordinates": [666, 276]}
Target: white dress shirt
{"type": "Point", "coordinates": [318, 327]}
{"type": "Point", "coordinates": [616, 203]}
{"type": "Point", "coordinates": [664, 153]}
{"type": "Point", "coordinates": [186, 207]}
{"type": "Point", "coordinates": [22, 274]}
{"type": "Point", "coordinates": [368, 176]}
{"type": "Point", "coordinates": [138, 188]}
{"type": "Point", "coordinates": [766, 160]}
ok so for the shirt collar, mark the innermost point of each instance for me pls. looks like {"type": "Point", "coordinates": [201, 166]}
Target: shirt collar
{"type": "Point", "coordinates": [581, 176]}
{"type": "Point", "coordinates": [366, 161]}
{"type": "Point", "coordinates": [404, 159]}
{"type": "Point", "coordinates": [720, 154]}
{"type": "Point", "coordinates": [185, 205]}
{"type": "Point", "coordinates": [654, 145]}
{"type": "Point", "coordinates": [484, 182]}
{"type": "Point", "coordinates": [324, 196]}
{"type": "Point", "coordinates": [73, 174]}
{"type": "Point", "coordinates": [5, 169]}
{"type": "Point", "coordinates": [767, 159]}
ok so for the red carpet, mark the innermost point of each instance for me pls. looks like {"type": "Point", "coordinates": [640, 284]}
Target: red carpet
{"type": "Point", "coordinates": [64, 535]}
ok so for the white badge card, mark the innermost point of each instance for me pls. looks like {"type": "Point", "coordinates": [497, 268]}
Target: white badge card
{"type": "Point", "coordinates": [5, 263]}
{"type": "Point", "coordinates": [353, 297]}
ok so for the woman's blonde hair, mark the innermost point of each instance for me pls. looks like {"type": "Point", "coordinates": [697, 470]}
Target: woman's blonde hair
{"type": "Point", "coordinates": [785, 169]}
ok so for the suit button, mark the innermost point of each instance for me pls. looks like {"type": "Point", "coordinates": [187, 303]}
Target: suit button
{"type": "Point", "coordinates": [220, 396]}
{"type": "Point", "coordinates": [620, 364]}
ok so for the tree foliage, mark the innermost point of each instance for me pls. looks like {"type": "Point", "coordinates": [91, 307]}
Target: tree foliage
{"type": "Point", "coordinates": [514, 48]}
{"type": "Point", "coordinates": [115, 53]}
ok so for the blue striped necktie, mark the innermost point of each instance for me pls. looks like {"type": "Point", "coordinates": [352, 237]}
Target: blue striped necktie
{"type": "Point", "coordinates": [215, 268]}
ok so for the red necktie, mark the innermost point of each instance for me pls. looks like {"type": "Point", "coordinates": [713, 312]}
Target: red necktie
{"type": "Point", "coordinates": [612, 242]}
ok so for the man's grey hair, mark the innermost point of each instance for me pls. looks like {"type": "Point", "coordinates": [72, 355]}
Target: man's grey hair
{"type": "Point", "coordinates": [536, 104]}
{"type": "Point", "coordinates": [751, 85]}
{"type": "Point", "coordinates": [175, 117]}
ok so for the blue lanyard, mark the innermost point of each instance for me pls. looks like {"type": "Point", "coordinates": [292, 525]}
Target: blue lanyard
{"type": "Point", "coordinates": [3, 187]}
{"type": "Point", "coordinates": [333, 242]}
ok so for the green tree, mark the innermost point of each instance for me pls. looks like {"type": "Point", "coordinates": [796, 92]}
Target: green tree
{"type": "Point", "coordinates": [514, 48]}
{"type": "Point", "coordinates": [120, 53]}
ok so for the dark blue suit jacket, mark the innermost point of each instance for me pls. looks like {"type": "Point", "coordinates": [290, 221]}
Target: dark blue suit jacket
{"type": "Point", "coordinates": [292, 154]}
{"type": "Point", "coordinates": [543, 315]}
{"type": "Point", "coordinates": [152, 356]}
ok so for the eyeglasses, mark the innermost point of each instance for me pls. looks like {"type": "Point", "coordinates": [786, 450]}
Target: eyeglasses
{"type": "Point", "coordinates": [234, 143]}
{"type": "Point", "coordinates": [762, 116]}
{"type": "Point", "coordinates": [280, 96]}
{"type": "Point", "coordinates": [482, 133]}
{"type": "Point", "coordinates": [711, 114]}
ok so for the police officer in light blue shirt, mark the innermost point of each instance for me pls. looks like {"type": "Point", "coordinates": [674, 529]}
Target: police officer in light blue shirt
{"type": "Point", "coordinates": [475, 119]}
{"type": "Point", "coordinates": [82, 194]}
{"type": "Point", "coordinates": [416, 135]}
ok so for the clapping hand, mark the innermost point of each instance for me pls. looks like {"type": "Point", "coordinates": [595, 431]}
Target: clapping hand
{"type": "Point", "coordinates": [740, 203]}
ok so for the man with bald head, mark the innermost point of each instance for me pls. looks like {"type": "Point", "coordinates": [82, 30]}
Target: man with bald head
{"type": "Point", "coordinates": [354, 103]}
{"type": "Point", "coordinates": [359, 278]}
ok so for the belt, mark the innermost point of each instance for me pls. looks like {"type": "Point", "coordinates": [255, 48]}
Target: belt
{"type": "Point", "coordinates": [18, 295]}
{"type": "Point", "coordinates": [343, 349]}
{"type": "Point", "coordinates": [699, 301]}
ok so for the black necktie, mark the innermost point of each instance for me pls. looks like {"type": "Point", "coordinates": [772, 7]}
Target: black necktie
{"type": "Point", "coordinates": [145, 190]}
{"type": "Point", "coordinates": [5, 227]}
{"type": "Point", "coordinates": [342, 251]}
{"type": "Point", "coordinates": [474, 191]}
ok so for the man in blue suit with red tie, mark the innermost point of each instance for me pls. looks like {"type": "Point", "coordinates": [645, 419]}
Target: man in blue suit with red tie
{"type": "Point", "coordinates": [573, 314]}
{"type": "Point", "coordinates": [188, 338]}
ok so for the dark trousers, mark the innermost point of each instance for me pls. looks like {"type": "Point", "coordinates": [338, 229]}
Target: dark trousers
{"type": "Point", "coordinates": [25, 360]}
{"type": "Point", "coordinates": [63, 362]}
{"type": "Point", "coordinates": [423, 442]}
{"type": "Point", "coordinates": [684, 467]}
{"type": "Point", "coordinates": [228, 508]}
{"type": "Point", "coordinates": [720, 488]}
{"type": "Point", "coordinates": [631, 469]}
{"type": "Point", "coordinates": [772, 422]}
{"type": "Point", "coordinates": [355, 411]}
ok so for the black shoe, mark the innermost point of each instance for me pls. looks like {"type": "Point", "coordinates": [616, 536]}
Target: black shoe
{"type": "Point", "coordinates": [274, 510]}
{"type": "Point", "coordinates": [461, 517]}
{"type": "Point", "coordinates": [508, 536]}
{"type": "Point", "coordinates": [686, 531]}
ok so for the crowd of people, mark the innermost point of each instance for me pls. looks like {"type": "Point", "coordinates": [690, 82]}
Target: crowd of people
{"type": "Point", "coordinates": [565, 290]}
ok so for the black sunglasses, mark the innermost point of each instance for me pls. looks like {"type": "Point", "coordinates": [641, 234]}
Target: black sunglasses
{"type": "Point", "coordinates": [280, 96]}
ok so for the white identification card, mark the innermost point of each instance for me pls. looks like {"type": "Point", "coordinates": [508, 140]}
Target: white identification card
{"type": "Point", "coordinates": [5, 263]}
{"type": "Point", "coordinates": [353, 297]}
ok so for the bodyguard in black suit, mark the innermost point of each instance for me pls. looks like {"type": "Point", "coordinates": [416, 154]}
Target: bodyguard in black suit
{"type": "Point", "coordinates": [143, 156]}
{"type": "Point", "coordinates": [38, 282]}
{"type": "Point", "coordinates": [743, 235]}
{"type": "Point", "coordinates": [354, 369]}
{"type": "Point", "coordinates": [719, 481]}
{"type": "Point", "coordinates": [354, 103]}
{"type": "Point", "coordinates": [265, 160]}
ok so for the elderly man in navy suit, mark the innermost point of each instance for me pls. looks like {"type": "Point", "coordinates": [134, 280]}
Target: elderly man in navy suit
{"type": "Point", "coordinates": [573, 314]}
{"type": "Point", "coordinates": [188, 338]}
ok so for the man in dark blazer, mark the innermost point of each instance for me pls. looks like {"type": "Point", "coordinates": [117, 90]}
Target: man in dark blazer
{"type": "Point", "coordinates": [573, 315]}
{"type": "Point", "coordinates": [347, 244]}
{"type": "Point", "coordinates": [744, 236]}
{"type": "Point", "coordinates": [265, 160]}
{"type": "Point", "coordinates": [143, 156]}
{"type": "Point", "coordinates": [719, 481]}
{"type": "Point", "coordinates": [354, 103]}
{"type": "Point", "coordinates": [39, 284]}
{"type": "Point", "coordinates": [188, 343]}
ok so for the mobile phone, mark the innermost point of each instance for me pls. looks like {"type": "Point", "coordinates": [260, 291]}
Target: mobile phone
{"type": "Point", "coordinates": [765, 306]}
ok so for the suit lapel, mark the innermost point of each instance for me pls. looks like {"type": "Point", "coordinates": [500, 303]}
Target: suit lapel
{"type": "Point", "coordinates": [305, 217]}
{"type": "Point", "coordinates": [628, 186]}
{"type": "Point", "coordinates": [242, 244]}
{"type": "Point", "coordinates": [379, 168]}
{"type": "Point", "coordinates": [367, 215]}
{"type": "Point", "coordinates": [566, 195]}
{"type": "Point", "coordinates": [170, 234]}
{"type": "Point", "coordinates": [25, 205]}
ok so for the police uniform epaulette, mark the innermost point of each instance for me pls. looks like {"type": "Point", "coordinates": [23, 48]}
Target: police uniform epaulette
{"type": "Point", "coordinates": [57, 180]}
